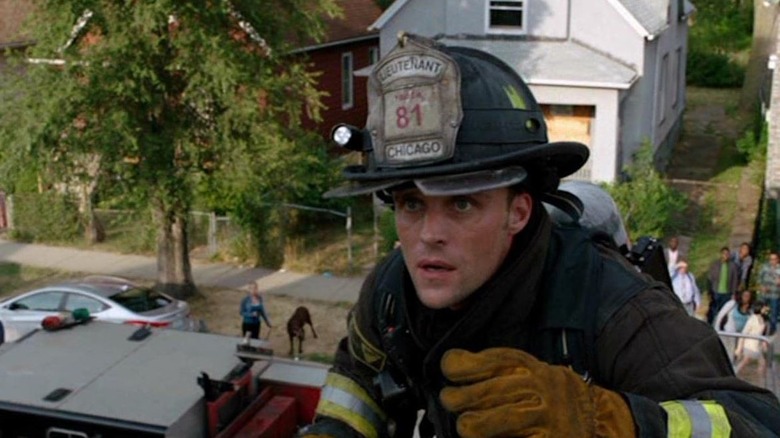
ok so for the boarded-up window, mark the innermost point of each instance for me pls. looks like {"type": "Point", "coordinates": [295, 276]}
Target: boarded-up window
{"type": "Point", "coordinates": [571, 123]}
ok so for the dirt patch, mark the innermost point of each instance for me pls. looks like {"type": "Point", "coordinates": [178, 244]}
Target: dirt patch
{"type": "Point", "coordinates": [219, 308]}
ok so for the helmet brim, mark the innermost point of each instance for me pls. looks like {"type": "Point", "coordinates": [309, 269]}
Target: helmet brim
{"type": "Point", "coordinates": [565, 157]}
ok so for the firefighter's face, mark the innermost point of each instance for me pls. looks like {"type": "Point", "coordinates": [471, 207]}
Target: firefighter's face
{"type": "Point", "coordinates": [454, 244]}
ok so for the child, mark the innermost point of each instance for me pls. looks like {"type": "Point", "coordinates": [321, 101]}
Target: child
{"type": "Point", "coordinates": [753, 349]}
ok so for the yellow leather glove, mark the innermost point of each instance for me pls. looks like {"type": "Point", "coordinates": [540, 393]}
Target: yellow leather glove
{"type": "Point", "coordinates": [504, 392]}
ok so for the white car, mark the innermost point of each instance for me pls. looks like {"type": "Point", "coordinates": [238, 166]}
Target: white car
{"type": "Point", "coordinates": [111, 299]}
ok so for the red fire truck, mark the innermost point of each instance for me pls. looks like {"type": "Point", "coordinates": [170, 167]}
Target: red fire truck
{"type": "Point", "coordinates": [96, 379]}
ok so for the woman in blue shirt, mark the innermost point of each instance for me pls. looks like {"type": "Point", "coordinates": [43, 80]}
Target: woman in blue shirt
{"type": "Point", "coordinates": [734, 315]}
{"type": "Point", "coordinates": [252, 310]}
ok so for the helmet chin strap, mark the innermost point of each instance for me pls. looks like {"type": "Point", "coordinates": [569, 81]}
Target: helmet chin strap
{"type": "Point", "coordinates": [566, 202]}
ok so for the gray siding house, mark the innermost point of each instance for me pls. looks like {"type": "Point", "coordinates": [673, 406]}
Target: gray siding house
{"type": "Point", "coordinates": [608, 73]}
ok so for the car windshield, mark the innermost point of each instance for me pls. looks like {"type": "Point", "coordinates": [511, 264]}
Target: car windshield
{"type": "Point", "coordinates": [140, 299]}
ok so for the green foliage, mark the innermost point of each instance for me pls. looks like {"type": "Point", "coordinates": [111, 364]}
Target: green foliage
{"type": "Point", "coordinates": [255, 192]}
{"type": "Point", "coordinates": [167, 96]}
{"type": "Point", "coordinates": [129, 231]}
{"type": "Point", "coordinates": [648, 204]}
{"type": "Point", "coordinates": [387, 232]}
{"type": "Point", "coordinates": [753, 145]}
{"type": "Point", "coordinates": [722, 28]}
{"type": "Point", "coordinates": [711, 69]}
{"type": "Point", "coordinates": [47, 217]}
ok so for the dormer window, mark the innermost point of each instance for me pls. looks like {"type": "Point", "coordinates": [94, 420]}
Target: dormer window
{"type": "Point", "coordinates": [506, 16]}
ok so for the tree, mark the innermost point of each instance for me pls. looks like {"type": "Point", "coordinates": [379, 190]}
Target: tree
{"type": "Point", "coordinates": [163, 95]}
{"type": "Point", "coordinates": [764, 16]}
{"type": "Point", "coordinates": [722, 29]}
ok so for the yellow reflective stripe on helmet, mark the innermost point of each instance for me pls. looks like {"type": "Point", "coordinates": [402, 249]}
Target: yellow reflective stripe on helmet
{"type": "Point", "coordinates": [695, 419]}
{"type": "Point", "coordinates": [345, 400]}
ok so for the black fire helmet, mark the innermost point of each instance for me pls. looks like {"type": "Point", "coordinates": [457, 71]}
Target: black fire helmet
{"type": "Point", "coordinates": [452, 120]}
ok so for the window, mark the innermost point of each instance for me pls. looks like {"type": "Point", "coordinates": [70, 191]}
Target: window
{"type": "Point", "coordinates": [506, 16]}
{"type": "Point", "coordinates": [140, 299]}
{"type": "Point", "coordinates": [663, 73]}
{"type": "Point", "coordinates": [46, 301]}
{"type": "Point", "coordinates": [373, 55]}
{"type": "Point", "coordinates": [78, 301]}
{"type": "Point", "coordinates": [677, 71]}
{"type": "Point", "coordinates": [347, 95]}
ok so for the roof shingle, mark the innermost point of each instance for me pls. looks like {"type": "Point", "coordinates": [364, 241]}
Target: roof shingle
{"type": "Point", "coordinates": [651, 14]}
{"type": "Point", "coordinates": [566, 63]}
{"type": "Point", "coordinates": [12, 14]}
{"type": "Point", "coordinates": [358, 16]}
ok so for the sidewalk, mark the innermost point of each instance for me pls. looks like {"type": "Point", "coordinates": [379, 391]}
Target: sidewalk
{"type": "Point", "coordinates": [304, 286]}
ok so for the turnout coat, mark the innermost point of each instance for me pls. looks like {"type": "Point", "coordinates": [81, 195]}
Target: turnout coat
{"type": "Point", "coordinates": [562, 295]}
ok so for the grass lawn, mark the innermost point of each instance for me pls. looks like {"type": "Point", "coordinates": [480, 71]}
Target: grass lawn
{"type": "Point", "coordinates": [17, 278]}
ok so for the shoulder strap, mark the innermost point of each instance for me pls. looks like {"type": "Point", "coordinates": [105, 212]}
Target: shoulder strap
{"type": "Point", "coordinates": [578, 302]}
{"type": "Point", "coordinates": [393, 328]}
{"type": "Point", "coordinates": [388, 299]}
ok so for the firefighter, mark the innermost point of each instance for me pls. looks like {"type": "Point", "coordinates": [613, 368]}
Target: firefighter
{"type": "Point", "coordinates": [489, 320]}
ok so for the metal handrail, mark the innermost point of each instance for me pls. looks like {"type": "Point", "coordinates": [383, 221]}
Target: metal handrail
{"type": "Point", "coordinates": [770, 353]}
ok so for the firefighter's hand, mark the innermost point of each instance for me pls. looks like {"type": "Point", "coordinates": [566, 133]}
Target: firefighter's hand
{"type": "Point", "coordinates": [503, 392]}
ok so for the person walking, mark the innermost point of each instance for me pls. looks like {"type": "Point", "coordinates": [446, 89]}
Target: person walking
{"type": "Point", "coordinates": [769, 283]}
{"type": "Point", "coordinates": [489, 317]}
{"type": "Point", "coordinates": [684, 286]}
{"type": "Point", "coordinates": [750, 349]}
{"type": "Point", "coordinates": [672, 253]}
{"type": "Point", "coordinates": [251, 310]}
{"type": "Point", "coordinates": [722, 282]}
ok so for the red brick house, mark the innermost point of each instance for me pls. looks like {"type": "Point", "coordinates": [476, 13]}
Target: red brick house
{"type": "Point", "coordinates": [347, 47]}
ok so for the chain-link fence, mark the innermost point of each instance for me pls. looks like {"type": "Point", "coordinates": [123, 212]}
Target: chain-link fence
{"type": "Point", "coordinates": [211, 235]}
{"type": "Point", "coordinates": [54, 218]}
{"type": "Point", "coordinates": [755, 361]}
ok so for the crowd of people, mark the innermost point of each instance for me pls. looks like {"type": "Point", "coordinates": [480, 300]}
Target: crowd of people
{"type": "Point", "coordinates": [737, 304]}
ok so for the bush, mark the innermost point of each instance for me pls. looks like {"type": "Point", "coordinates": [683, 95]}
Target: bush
{"type": "Point", "coordinates": [711, 69]}
{"type": "Point", "coordinates": [753, 145]}
{"type": "Point", "coordinates": [647, 203]}
{"type": "Point", "coordinates": [48, 217]}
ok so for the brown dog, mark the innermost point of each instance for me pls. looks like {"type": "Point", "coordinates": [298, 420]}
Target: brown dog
{"type": "Point", "coordinates": [295, 326]}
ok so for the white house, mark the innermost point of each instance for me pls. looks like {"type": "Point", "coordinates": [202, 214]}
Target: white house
{"type": "Point", "coordinates": [608, 73]}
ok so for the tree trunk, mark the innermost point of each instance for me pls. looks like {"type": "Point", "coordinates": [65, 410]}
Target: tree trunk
{"type": "Point", "coordinates": [85, 187]}
{"type": "Point", "coordinates": [756, 71]}
{"type": "Point", "coordinates": [174, 272]}
{"type": "Point", "coordinates": [93, 228]}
